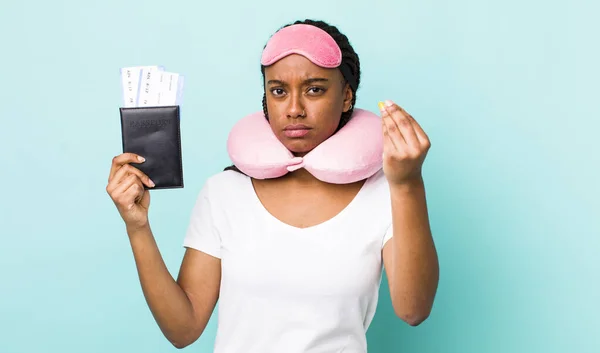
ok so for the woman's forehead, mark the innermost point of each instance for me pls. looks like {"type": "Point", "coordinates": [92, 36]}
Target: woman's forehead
{"type": "Point", "coordinates": [297, 67]}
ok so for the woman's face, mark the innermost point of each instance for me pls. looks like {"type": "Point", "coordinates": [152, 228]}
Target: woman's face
{"type": "Point", "coordinates": [305, 102]}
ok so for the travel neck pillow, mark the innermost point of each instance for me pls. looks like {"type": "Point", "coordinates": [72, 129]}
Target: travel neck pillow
{"type": "Point", "coordinates": [351, 154]}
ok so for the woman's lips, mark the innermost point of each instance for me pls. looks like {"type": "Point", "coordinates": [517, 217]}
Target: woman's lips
{"type": "Point", "coordinates": [296, 130]}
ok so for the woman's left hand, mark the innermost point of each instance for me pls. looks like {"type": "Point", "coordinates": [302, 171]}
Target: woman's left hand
{"type": "Point", "coordinates": [405, 145]}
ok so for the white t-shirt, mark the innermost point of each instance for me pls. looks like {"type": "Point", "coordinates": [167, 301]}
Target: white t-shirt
{"type": "Point", "coordinates": [286, 289]}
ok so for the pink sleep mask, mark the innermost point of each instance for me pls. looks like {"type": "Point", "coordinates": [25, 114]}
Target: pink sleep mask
{"type": "Point", "coordinates": [311, 42]}
{"type": "Point", "coordinates": [353, 153]}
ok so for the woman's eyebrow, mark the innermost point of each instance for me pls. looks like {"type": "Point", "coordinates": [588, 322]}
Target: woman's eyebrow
{"type": "Point", "coordinates": [307, 81]}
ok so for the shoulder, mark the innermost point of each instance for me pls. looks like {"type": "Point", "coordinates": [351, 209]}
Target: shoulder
{"type": "Point", "coordinates": [226, 179]}
{"type": "Point", "coordinates": [221, 192]}
{"type": "Point", "coordinates": [376, 192]}
{"type": "Point", "coordinates": [378, 184]}
{"type": "Point", "coordinates": [224, 185]}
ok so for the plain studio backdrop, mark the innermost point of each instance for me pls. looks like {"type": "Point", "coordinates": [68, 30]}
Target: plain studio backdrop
{"type": "Point", "coordinates": [507, 91]}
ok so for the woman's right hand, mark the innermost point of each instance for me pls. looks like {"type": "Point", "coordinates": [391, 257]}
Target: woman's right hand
{"type": "Point", "coordinates": [126, 189]}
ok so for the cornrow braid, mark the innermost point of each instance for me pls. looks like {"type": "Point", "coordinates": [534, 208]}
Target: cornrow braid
{"type": "Point", "coordinates": [349, 58]}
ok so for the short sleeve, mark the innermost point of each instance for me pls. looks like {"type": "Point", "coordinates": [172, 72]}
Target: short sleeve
{"type": "Point", "coordinates": [388, 235]}
{"type": "Point", "coordinates": [202, 233]}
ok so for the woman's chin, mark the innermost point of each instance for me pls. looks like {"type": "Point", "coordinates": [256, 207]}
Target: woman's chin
{"type": "Point", "coordinates": [299, 147]}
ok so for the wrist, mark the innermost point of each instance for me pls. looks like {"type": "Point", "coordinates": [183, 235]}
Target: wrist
{"type": "Point", "coordinates": [133, 230]}
{"type": "Point", "coordinates": [408, 185]}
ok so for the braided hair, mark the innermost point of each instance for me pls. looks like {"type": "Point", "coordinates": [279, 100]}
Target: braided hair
{"type": "Point", "coordinates": [349, 58]}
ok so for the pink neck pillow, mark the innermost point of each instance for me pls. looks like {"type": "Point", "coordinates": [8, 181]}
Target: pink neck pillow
{"type": "Point", "coordinates": [353, 153]}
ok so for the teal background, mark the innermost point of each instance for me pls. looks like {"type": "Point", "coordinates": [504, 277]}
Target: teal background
{"type": "Point", "coordinates": [507, 91]}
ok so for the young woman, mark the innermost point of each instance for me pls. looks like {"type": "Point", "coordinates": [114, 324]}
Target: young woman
{"type": "Point", "coordinates": [295, 262]}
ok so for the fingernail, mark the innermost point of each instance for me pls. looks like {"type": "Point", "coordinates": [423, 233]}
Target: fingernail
{"type": "Point", "coordinates": [389, 103]}
{"type": "Point", "coordinates": [381, 106]}
{"type": "Point", "coordinates": [141, 159]}
{"type": "Point", "coordinates": [151, 182]}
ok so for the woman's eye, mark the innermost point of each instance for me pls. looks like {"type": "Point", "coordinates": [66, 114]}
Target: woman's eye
{"type": "Point", "coordinates": [316, 90]}
{"type": "Point", "coordinates": [277, 91]}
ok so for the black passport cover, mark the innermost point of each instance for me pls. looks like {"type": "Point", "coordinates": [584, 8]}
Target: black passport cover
{"type": "Point", "coordinates": [154, 133]}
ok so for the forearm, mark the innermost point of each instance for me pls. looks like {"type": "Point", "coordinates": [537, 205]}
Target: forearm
{"type": "Point", "coordinates": [167, 301]}
{"type": "Point", "coordinates": [414, 257]}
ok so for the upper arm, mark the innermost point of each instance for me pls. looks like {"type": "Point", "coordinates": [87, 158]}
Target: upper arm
{"type": "Point", "coordinates": [200, 272]}
{"type": "Point", "coordinates": [200, 279]}
{"type": "Point", "coordinates": [387, 254]}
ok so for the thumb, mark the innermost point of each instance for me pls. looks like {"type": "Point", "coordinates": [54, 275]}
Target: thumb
{"type": "Point", "coordinates": [145, 201]}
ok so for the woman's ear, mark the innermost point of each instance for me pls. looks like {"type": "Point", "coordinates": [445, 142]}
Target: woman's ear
{"type": "Point", "coordinates": [348, 95]}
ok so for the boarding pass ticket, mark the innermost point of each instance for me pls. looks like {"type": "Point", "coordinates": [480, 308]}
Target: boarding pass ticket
{"type": "Point", "coordinates": [150, 86]}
